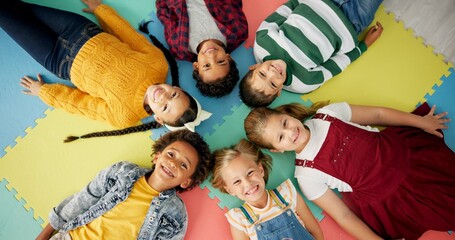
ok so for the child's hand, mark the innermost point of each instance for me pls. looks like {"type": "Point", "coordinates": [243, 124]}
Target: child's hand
{"type": "Point", "coordinates": [91, 5]}
{"type": "Point", "coordinates": [431, 122]}
{"type": "Point", "coordinates": [32, 86]}
{"type": "Point", "coordinates": [373, 34]}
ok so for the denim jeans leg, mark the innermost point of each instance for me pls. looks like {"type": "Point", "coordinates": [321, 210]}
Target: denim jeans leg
{"type": "Point", "coordinates": [359, 12]}
{"type": "Point", "coordinates": [26, 30]}
{"type": "Point", "coordinates": [51, 36]}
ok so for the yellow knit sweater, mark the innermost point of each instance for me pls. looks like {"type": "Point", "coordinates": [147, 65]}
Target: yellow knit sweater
{"type": "Point", "coordinates": [111, 72]}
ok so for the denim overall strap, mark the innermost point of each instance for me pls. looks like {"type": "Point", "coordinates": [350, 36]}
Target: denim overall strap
{"type": "Point", "coordinates": [284, 226]}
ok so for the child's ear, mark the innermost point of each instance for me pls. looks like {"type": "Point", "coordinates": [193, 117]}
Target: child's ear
{"type": "Point", "coordinates": [155, 157]}
{"type": "Point", "coordinates": [158, 119]}
{"type": "Point", "coordinates": [261, 169]}
{"type": "Point", "coordinates": [186, 183]}
{"type": "Point", "coordinates": [195, 66]}
{"type": "Point", "coordinates": [254, 66]}
{"type": "Point", "coordinates": [276, 151]}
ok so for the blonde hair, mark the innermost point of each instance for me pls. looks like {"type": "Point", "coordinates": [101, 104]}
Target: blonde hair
{"type": "Point", "coordinates": [222, 157]}
{"type": "Point", "coordinates": [255, 123]}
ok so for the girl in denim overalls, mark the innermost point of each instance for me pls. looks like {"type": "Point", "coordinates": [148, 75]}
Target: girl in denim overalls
{"type": "Point", "coordinates": [281, 213]}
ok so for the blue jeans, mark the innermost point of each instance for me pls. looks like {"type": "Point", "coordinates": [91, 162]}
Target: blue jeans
{"type": "Point", "coordinates": [359, 12]}
{"type": "Point", "coordinates": [51, 36]}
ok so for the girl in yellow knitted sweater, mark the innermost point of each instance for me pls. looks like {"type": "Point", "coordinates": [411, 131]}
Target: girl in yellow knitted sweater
{"type": "Point", "coordinates": [119, 75]}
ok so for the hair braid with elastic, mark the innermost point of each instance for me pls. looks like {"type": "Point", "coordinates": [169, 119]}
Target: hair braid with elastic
{"type": "Point", "coordinates": [128, 130]}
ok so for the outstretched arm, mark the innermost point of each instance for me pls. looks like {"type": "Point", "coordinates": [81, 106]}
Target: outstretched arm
{"type": "Point", "coordinates": [311, 224]}
{"type": "Point", "coordinates": [335, 207]}
{"type": "Point", "coordinates": [46, 233]}
{"type": "Point", "coordinates": [337, 63]}
{"type": "Point", "coordinates": [429, 123]}
{"type": "Point", "coordinates": [116, 25]}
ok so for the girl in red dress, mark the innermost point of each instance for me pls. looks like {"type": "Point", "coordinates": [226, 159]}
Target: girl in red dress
{"type": "Point", "coordinates": [399, 182]}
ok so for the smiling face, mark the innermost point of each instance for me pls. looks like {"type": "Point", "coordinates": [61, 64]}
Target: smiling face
{"type": "Point", "coordinates": [212, 61]}
{"type": "Point", "coordinates": [244, 179]}
{"type": "Point", "coordinates": [285, 133]}
{"type": "Point", "coordinates": [168, 103]}
{"type": "Point", "coordinates": [174, 166]}
{"type": "Point", "coordinates": [268, 77]}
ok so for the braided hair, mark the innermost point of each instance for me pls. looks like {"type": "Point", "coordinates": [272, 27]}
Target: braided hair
{"type": "Point", "coordinates": [189, 115]}
{"type": "Point", "coordinates": [170, 59]}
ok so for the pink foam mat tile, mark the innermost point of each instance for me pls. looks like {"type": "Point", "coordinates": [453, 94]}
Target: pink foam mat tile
{"type": "Point", "coordinates": [206, 218]}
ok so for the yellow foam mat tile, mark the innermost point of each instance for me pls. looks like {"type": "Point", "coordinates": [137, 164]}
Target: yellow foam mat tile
{"type": "Point", "coordinates": [396, 71]}
{"type": "Point", "coordinates": [44, 171]}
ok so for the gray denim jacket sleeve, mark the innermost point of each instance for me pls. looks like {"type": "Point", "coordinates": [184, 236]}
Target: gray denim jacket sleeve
{"type": "Point", "coordinates": [117, 179]}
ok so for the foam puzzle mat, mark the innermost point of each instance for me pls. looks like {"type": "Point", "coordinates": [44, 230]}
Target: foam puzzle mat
{"type": "Point", "coordinates": [37, 170]}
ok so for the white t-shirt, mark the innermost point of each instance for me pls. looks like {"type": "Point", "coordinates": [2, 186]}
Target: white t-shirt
{"type": "Point", "coordinates": [314, 183]}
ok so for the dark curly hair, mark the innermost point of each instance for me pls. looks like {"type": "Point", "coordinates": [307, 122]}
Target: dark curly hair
{"type": "Point", "coordinates": [221, 86]}
{"type": "Point", "coordinates": [204, 164]}
{"type": "Point", "coordinates": [251, 97]}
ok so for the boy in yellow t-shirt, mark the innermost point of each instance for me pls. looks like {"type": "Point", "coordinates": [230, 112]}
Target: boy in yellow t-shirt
{"type": "Point", "coordinates": [126, 201]}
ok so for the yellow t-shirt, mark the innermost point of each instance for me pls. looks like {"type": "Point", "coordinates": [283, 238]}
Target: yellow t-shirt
{"type": "Point", "coordinates": [124, 221]}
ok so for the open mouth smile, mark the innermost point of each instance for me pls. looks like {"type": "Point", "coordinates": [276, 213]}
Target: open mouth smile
{"type": "Point", "coordinates": [167, 171]}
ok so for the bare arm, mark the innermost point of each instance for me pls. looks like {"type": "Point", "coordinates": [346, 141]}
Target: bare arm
{"type": "Point", "coordinates": [335, 207]}
{"type": "Point", "coordinates": [429, 123]}
{"type": "Point", "coordinates": [46, 233]}
{"type": "Point", "coordinates": [311, 224]}
{"type": "Point", "coordinates": [237, 234]}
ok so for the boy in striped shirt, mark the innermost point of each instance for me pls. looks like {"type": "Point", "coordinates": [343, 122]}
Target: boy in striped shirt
{"type": "Point", "coordinates": [304, 43]}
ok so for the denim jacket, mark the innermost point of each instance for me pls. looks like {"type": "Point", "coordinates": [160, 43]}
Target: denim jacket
{"type": "Point", "coordinates": [166, 217]}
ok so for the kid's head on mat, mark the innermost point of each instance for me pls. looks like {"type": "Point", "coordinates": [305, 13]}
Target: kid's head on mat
{"type": "Point", "coordinates": [181, 159]}
{"type": "Point", "coordinates": [263, 83]}
{"type": "Point", "coordinates": [233, 165]}
{"type": "Point", "coordinates": [214, 71]}
{"type": "Point", "coordinates": [169, 105]}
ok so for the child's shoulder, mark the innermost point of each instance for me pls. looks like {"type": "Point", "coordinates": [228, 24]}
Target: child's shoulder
{"type": "Point", "coordinates": [286, 187]}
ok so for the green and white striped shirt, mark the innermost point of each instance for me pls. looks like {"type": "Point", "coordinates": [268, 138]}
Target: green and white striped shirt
{"type": "Point", "coordinates": [315, 39]}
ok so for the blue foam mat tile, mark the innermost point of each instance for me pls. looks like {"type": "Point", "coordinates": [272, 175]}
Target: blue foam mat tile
{"type": "Point", "coordinates": [444, 100]}
{"type": "Point", "coordinates": [18, 111]}
{"type": "Point", "coordinates": [16, 222]}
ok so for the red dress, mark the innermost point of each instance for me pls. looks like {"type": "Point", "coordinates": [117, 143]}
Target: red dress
{"type": "Point", "coordinates": [403, 179]}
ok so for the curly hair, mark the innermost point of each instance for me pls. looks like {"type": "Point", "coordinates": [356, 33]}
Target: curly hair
{"type": "Point", "coordinates": [222, 157]}
{"type": "Point", "coordinates": [204, 164]}
{"type": "Point", "coordinates": [250, 96]}
{"type": "Point", "coordinates": [221, 86]}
